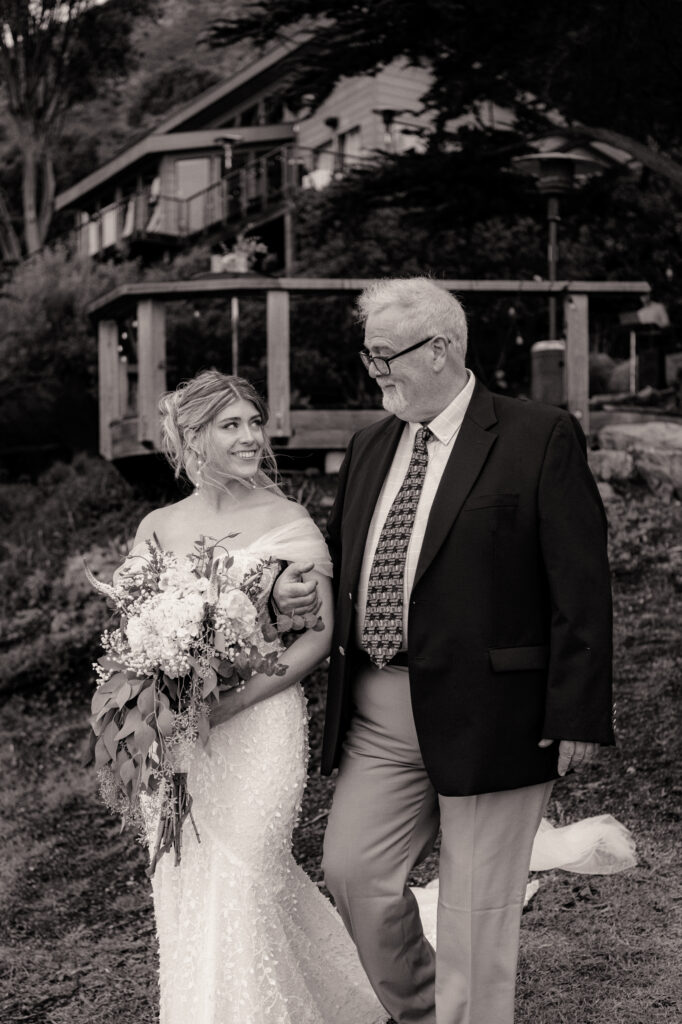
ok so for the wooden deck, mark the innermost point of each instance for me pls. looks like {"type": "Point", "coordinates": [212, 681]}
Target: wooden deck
{"type": "Point", "coordinates": [125, 431]}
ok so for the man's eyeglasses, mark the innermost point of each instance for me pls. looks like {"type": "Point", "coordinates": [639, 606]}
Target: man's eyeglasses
{"type": "Point", "coordinates": [382, 364]}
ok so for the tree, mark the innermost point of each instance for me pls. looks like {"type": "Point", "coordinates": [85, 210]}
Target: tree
{"type": "Point", "coordinates": [54, 53]}
{"type": "Point", "coordinates": [605, 70]}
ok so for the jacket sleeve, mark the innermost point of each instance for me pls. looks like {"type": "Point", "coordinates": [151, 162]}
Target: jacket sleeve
{"type": "Point", "coordinates": [333, 532]}
{"type": "Point", "coordinates": [573, 535]}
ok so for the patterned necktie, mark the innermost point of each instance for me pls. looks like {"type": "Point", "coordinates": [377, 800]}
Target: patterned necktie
{"type": "Point", "coordinates": [382, 632]}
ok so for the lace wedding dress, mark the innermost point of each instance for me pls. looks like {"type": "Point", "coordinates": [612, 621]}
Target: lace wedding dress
{"type": "Point", "coordinates": [245, 937]}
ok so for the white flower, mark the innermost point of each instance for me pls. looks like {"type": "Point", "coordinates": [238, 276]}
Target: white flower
{"type": "Point", "coordinates": [162, 631]}
{"type": "Point", "coordinates": [182, 579]}
{"type": "Point", "coordinates": [236, 614]}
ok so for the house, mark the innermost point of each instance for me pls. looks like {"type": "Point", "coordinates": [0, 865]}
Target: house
{"type": "Point", "coordinates": [230, 160]}
{"type": "Point", "coordinates": [228, 163]}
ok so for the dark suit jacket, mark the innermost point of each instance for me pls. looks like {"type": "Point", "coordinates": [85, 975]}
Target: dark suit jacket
{"type": "Point", "coordinates": [510, 614]}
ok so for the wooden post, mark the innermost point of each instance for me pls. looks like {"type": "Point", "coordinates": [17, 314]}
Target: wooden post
{"type": "Point", "coordinates": [576, 318]}
{"type": "Point", "coordinates": [244, 191]}
{"type": "Point", "coordinates": [109, 383]}
{"type": "Point", "coordinates": [289, 242]}
{"type": "Point", "coordinates": [234, 324]}
{"type": "Point", "coordinates": [633, 362]}
{"type": "Point", "coordinates": [279, 390]}
{"type": "Point", "coordinates": [120, 215]}
{"type": "Point", "coordinates": [263, 183]}
{"type": "Point", "coordinates": [285, 156]}
{"type": "Point", "coordinates": [151, 369]}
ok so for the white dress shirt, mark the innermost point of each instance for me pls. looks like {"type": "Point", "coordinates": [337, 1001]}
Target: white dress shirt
{"type": "Point", "coordinates": [445, 428]}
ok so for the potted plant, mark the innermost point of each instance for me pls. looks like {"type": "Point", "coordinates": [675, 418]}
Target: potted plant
{"type": "Point", "coordinates": [240, 259]}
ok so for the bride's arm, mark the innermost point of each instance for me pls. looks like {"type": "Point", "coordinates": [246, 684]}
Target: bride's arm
{"type": "Point", "coordinates": [305, 654]}
{"type": "Point", "coordinates": [145, 531]}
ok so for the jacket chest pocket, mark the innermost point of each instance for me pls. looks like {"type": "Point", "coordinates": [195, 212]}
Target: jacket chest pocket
{"type": "Point", "coordinates": [491, 502]}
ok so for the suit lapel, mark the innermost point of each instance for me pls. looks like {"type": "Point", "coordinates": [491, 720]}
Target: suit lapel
{"type": "Point", "coordinates": [468, 456]}
{"type": "Point", "coordinates": [369, 474]}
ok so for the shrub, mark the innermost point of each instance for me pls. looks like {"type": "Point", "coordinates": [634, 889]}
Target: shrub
{"type": "Point", "coordinates": [49, 617]}
{"type": "Point", "coordinates": [48, 354]}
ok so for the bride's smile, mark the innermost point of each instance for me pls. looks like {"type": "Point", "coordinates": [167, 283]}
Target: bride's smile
{"type": "Point", "coordinates": [236, 439]}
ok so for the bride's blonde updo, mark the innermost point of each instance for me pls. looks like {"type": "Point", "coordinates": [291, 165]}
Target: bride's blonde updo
{"type": "Point", "coordinates": [186, 415]}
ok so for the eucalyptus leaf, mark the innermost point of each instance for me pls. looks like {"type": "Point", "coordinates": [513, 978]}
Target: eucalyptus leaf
{"type": "Point", "coordinates": [100, 700]}
{"type": "Point", "coordinates": [109, 709]}
{"type": "Point", "coordinates": [127, 771]}
{"type": "Point", "coordinates": [145, 701]}
{"type": "Point", "coordinates": [123, 694]}
{"type": "Point", "coordinates": [270, 632]}
{"type": "Point", "coordinates": [107, 662]}
{"type": "Point", "coordinates": [132, 720]}
{"type": "Point", "coordinates": [144, 737]}
{"type": "Point", "coordinates": [165, 720]}
{"type": "Point", "coordinates": [136, 686]}
{"type": "Point", "coordinates": [210, 682]}
{"type": "Point", "coordinates": [109, 739]}
{"type": "Point", "coordinates": [225, 669]}
{"type": "Point", "coordinates": [204, 729]}
{"type": "Point", "coordinates": [102, 756]}
{"type": "Point", "coordinates": [89, 755]}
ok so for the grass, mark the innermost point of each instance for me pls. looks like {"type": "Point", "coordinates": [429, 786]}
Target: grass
{"type": "Point", "coordinates": [77, 938]}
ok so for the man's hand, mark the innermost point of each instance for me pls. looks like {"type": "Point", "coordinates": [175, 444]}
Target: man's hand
{"type": "Point", "coordinates": [292, 594]}
{"type": "Point", "coordinates": [572, 754]}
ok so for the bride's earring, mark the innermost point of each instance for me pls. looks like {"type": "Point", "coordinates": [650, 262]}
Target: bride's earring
{"type": "Point", "coordinates": [198, 482]}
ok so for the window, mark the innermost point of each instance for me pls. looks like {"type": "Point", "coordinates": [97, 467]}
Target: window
{"type": "Point", "coordinates": [110, 219]}
{"type": "Point", "coordinates": [192, 176]}
{"type": "Point", "coordinates": [350, 146]}
{"type": "Point", "coordinates": [324, 158]}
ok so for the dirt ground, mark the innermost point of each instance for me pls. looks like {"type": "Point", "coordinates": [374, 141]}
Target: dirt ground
{"type": "Point", "coordinates": [77, 940]}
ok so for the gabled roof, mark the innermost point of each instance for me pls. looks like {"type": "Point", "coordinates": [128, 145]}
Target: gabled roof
{"type": "Point", "coordinates": [168, 135]}
{"type": "Point", "coordinates": [174, 143]}
{"type": "Point", "coordinates": [216, 94]}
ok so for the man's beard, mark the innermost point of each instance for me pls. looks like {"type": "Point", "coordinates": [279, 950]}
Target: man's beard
{"type": "Point", "coordinates": [393, 401]}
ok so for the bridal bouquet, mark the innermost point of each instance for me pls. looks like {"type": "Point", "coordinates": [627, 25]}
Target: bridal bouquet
{"type": "Point", "coordinates": [184, 634]}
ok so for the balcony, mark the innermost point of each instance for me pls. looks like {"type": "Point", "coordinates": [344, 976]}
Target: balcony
{"type": "Point", "coordinates": [259, 188]}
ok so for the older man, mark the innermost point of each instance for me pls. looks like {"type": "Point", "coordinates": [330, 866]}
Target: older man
{"type": "Point", "coordinates": [471, 657]}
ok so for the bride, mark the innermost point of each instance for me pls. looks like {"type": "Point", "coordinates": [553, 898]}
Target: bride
{"type": "Point", "coordinates": [245, 937]}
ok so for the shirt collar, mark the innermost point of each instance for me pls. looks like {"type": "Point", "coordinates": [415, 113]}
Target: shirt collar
{"type": "Point", "coordinates": [446, 424]}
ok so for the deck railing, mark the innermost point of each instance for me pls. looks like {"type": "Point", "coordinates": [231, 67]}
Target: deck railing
{"type": "Point", "coordinates": [129, 394]}
{"type": "Point", "coordinates": [260, 185]}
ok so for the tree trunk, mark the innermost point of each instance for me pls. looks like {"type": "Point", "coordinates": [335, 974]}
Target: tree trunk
{"type": "Point", "coordinates": [47, 197]}
{"type": "Point", "coordinates": [29, 195]}
{"type": "Point", "coordinates": [10, 246]}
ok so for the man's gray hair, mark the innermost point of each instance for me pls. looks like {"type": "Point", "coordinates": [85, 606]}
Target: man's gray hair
{"type": "Point", "coordinates": [425, 308]}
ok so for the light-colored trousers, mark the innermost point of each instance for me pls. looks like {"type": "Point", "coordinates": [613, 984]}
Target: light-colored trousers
{"type": "Point", "coordinates": [383, 821]}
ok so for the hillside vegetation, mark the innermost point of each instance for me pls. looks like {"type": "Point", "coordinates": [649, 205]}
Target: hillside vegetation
{"type": "Point", "coordinates": [77, 944]}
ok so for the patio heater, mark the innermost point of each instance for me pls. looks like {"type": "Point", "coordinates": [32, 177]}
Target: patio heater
{"type": "Point", "coordinates": [556, 171]}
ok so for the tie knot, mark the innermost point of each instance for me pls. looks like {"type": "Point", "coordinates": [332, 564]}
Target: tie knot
{"type": "Point", "coordinates": [422, 437]}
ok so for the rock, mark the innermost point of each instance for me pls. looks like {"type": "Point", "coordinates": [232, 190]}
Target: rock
{"type": "Point", "coordinates": [655, 447]}
{"type": "Point", "coordinates": [611, 465]}
{"type": "Point", "coordinates": [649, 434]}
{"type": "Point", "coordinates": [601, 368]}
{"type": "Point", "coordinates": [661, 470]}
{"type": "Point", "coordinates": [606, 491]}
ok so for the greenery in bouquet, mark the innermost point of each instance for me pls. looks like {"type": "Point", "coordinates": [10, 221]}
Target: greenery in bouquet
{"type": "Point", "coordinates": [187, 628]}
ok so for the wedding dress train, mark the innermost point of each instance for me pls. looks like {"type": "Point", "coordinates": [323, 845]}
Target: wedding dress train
{"type": "Point", "coordinates": [600, 845]}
